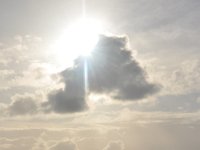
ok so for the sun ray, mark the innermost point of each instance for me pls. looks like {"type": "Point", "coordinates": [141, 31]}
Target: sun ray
{"type": "Point", "coordinates": [86, 79]}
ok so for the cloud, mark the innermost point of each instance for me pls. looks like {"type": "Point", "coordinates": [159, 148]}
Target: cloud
{"type": "Point", "coordinates": [114, 145]}
{"type": "Point", "coordinates": [23, 143]}
{"type": "Point", "coordinates": [179, 79]}
{"type": "Point", "coordinates": [143, 130]}
{"type": "Point", "coordinates": [64, 145]}
{"type": "Point", "coordinates": [111, 70]}
{"type": "Point", "coordinates": [24, 66]}
{"type": "Point", "coordinates": [72, 97]}
{"type": "Point", "coordinates": [40, 144]}
{"type": "Point", "coordinates": [2, 108]}
{"type": "Point", "coordinates": [23, 105]}
{"type": "Point", "coordinates": [67, 101]}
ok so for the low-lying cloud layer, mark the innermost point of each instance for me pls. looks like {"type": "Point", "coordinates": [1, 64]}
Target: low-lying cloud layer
{"type": "Point", "coordinates": [143, 131]}
{"type": "Point", "coordinates": [111, 70]}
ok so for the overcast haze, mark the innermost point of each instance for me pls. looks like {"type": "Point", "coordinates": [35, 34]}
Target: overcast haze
{"type": "Point", "coordinates": [143, 76]}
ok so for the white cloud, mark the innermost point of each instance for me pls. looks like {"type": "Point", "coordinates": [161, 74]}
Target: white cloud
{"type": "Point", "coordinates": [17, 144]}
{"type": "Point", "coordinates": [40, 144]}
{"type": "Point", "coordinates": [24, 67]}
{"type": "Point", "coordinates": [120, 135]}
{"type": "Point", "coordinates": [64, 145]}
{"type": "Point", "coordinates": [115, 145]}
{"type": "Point", "coordinates": [27, 104]}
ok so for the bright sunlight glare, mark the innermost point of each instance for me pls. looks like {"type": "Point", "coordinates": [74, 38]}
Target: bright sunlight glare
{"type": "Point", "coordinates": [78, 39]}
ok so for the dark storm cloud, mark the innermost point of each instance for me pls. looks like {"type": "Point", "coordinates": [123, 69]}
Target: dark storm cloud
{"type": "Point", "coordinates": [67, 100]}
{"type": "Point", "coordinates": [111, 70]}
{"type": "Point", "coordinates": [72, 97]}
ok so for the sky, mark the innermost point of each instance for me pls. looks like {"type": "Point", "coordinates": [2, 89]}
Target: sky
{"type": "Point", "coordinates": [137, 89]}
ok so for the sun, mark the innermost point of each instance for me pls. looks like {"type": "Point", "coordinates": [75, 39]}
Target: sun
{"type": "Point", "coordinates": [79, 39]}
